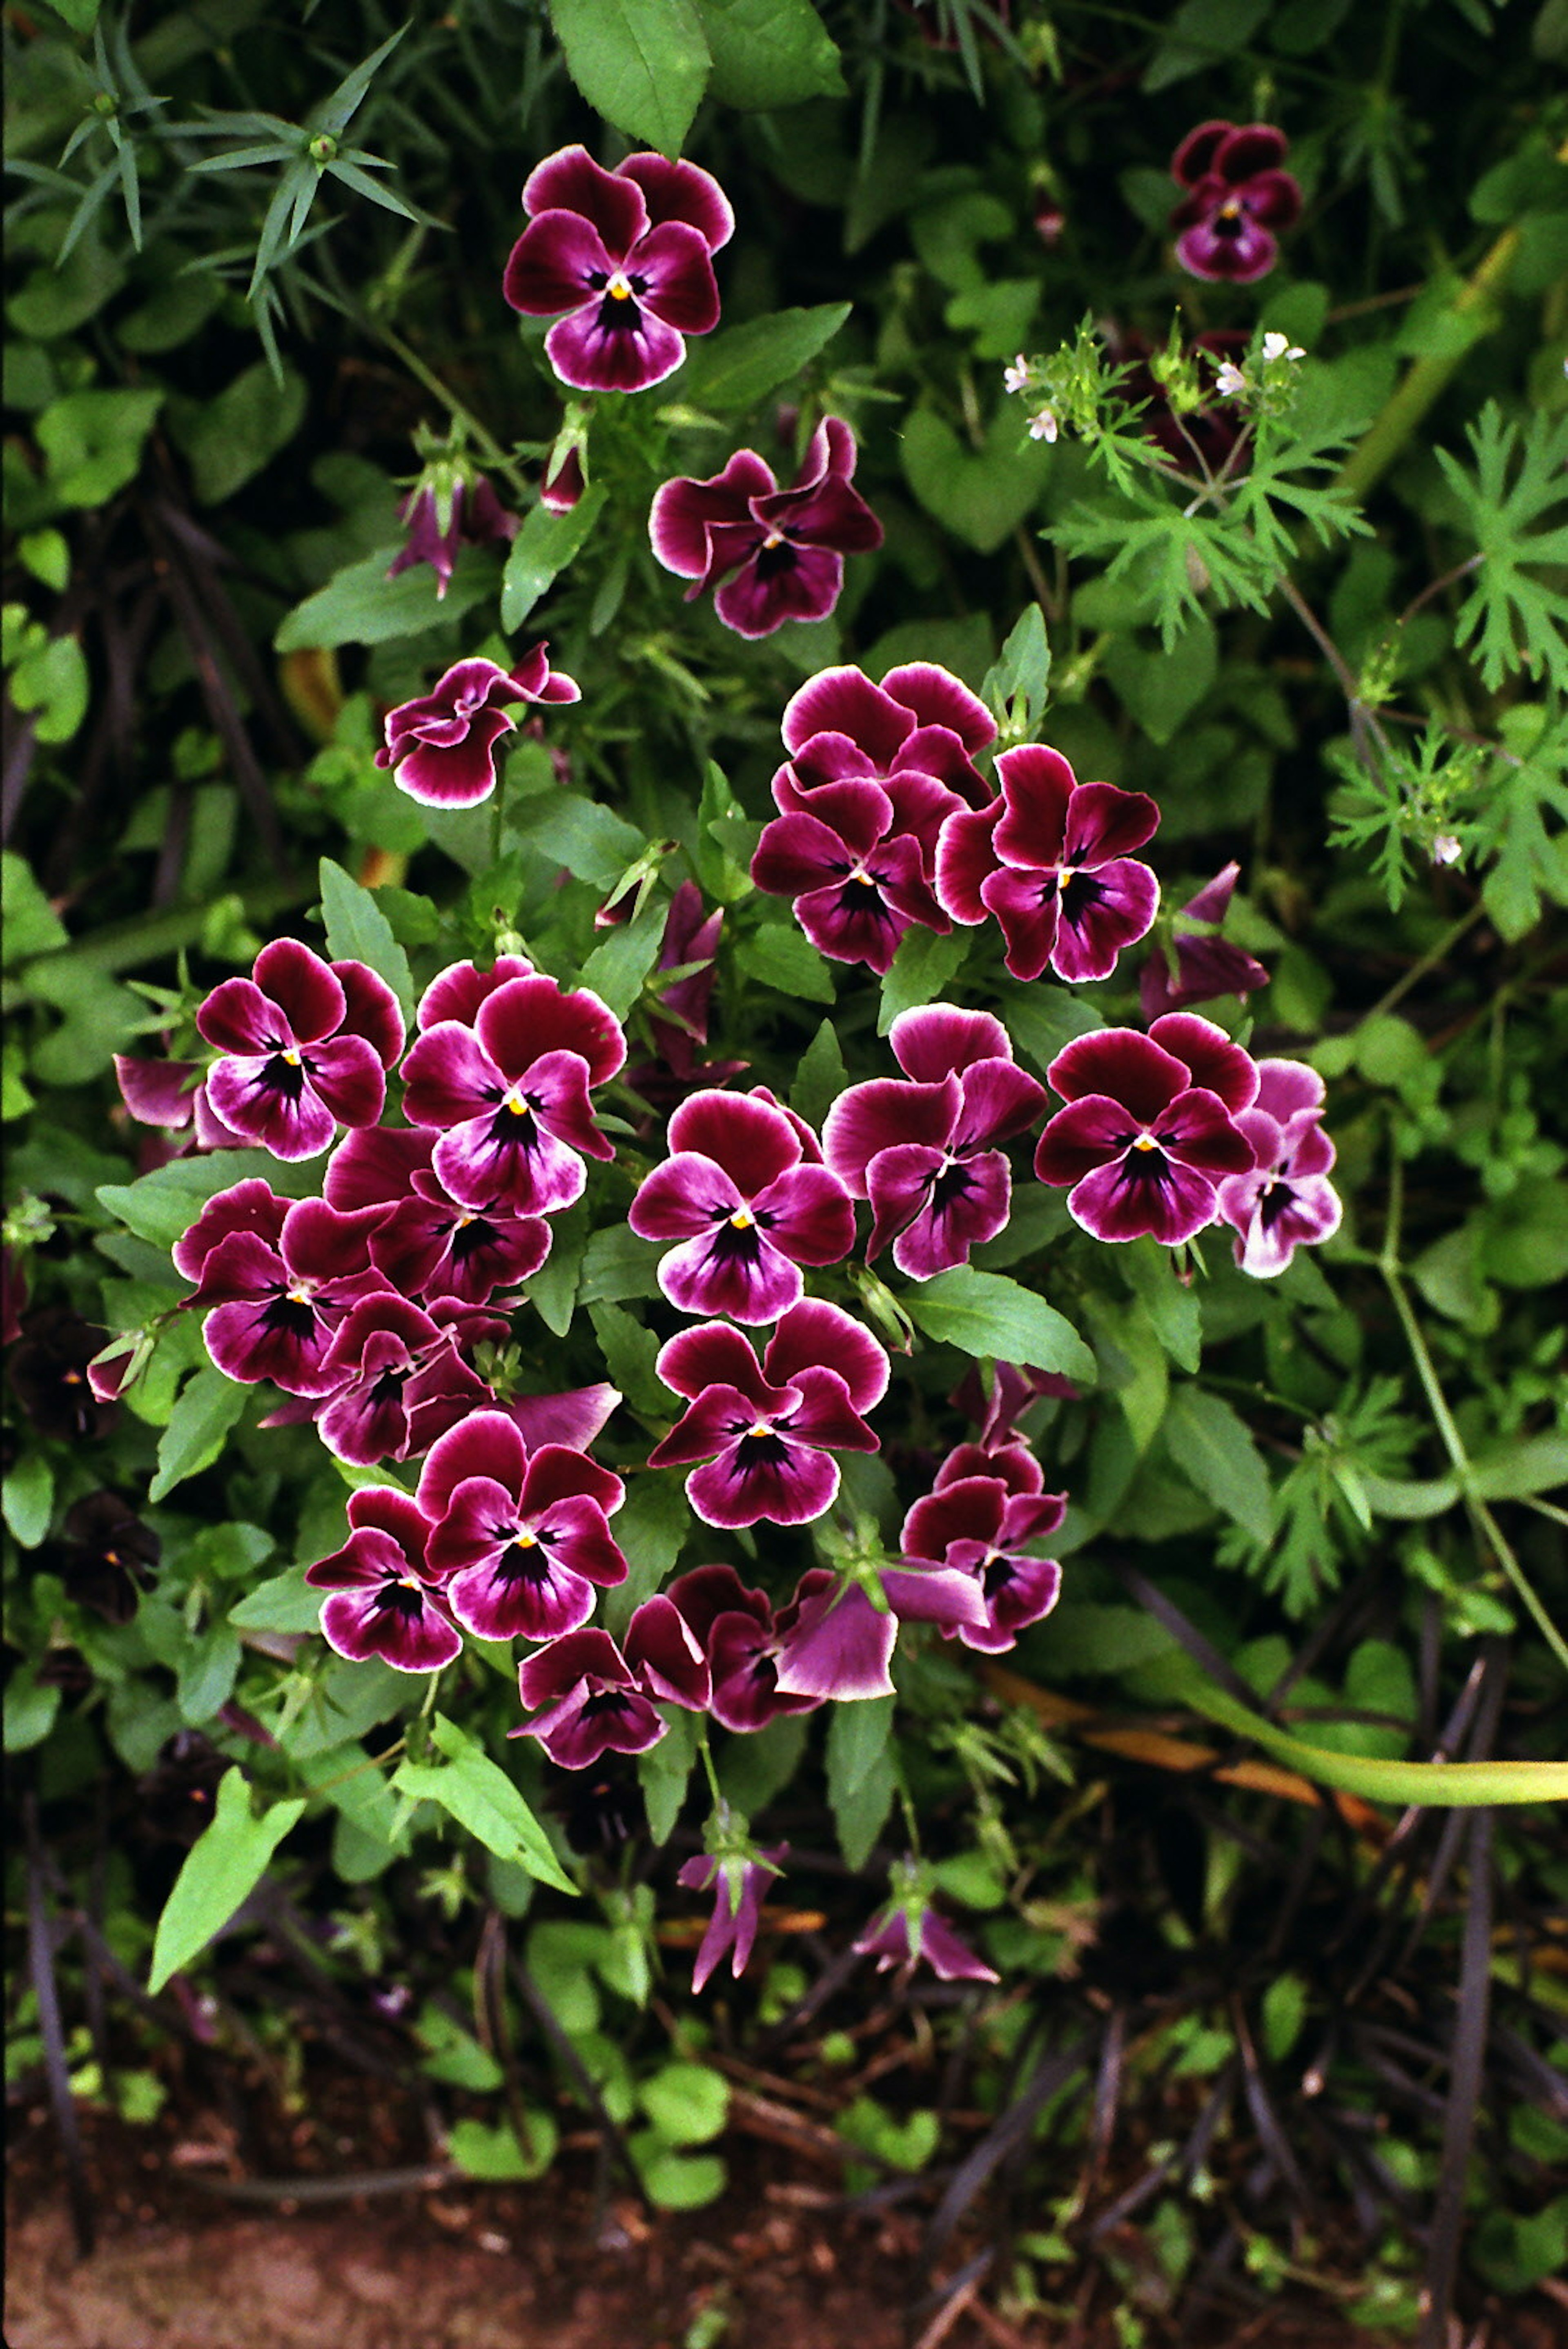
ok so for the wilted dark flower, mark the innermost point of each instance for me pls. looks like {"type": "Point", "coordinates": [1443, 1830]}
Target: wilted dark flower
{"type": "Point", "coordinates": [738, 1883]}
{"type": "Point", "coordinates": [48, 1369]}
{"type": "Point", "coordinates": [109, 1555]}
{"type": "Point", "coordinates": [442, 514]}
{"type": "Point", "coordinates": [1206, 966]}
{"type": "Point", "coordinates": [909, 1930]}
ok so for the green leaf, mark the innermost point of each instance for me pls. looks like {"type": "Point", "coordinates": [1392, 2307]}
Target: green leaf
{"type": "Point", "coordinates": [30, 1708]}
{"type": "Point", "coordinates": [664, 1771]}
{"type": "Point", "coordinates": [1516, 617]}
{"type": "Point", "coordinates": [642, 64]}
{"type": "Point", "coordinates": [220, 1874]}
{"type": "Point", "coordinates": [229, 438]}
{"type": "Point", "coordinates": [28, 1498]}
{"type": "Point", "coordinates": [207, 1675]}
{"type": "Point", "coordinates": [1017, 685]}
{"type": "Point", "coordinates": [628, 1352]}
{"type": "Point", "coordinates": [358, 931]}
{"type": "Point", "coordinates": [920, 970]}
{"type": "Point", "coordinates": [494, 2153]}
{"type": "Point", "coordinates": [208, 1406]}
{"type": "Point", "coordinates": [981, 497]}
{"type": "Point", "coordinates": [860, 1816]}
{"type": "Point", "coordinates": [620, 963]}
{"type": "Point", "coordinates": [687, 2103]}
{"type": "Point", "coordinates": [542, 549]}
{"type": "Point", "coordinates": [990, 1317]}
{"type": "Point", "coordinates": [858, 1737]}
{"type": "Point", "coordinates": [53, 680]}
{"type": "Point", "coordinates": [480, 1795]}
{"type": "Point", "coordinates": [781, 957]}
{"type": "Point", "coordinates": [94, 440]}
{"type": "Point", "coordinates": [284, 1603]}
{"type": "Point", "coordinates": [820, 1076]}
{"type": "Point", "coordinates": [552, 1290]}
{"type": "Point", "coordinates": [161, 1206]}
{"type": "Point", "coordinates": [592, 842]}
{"type": "Point", "coordinates": [769, 53]}
{"type": "Point", "coordinates": [29, 923]}
{"type": "Point", "coordinates": [617, 1264]}
{"type": "Point", "coordinates": [677, 2181]}
{"type": "Point", "coordinates": [360, 606]}
{"type": "Point", "coordinates": [1530, 1464]}
{"type": "Point", "coordinates": [733, 371]}
{"type": "Point", "coordinates": [1214, 1450]}
{"type": "Point", "coordinates": [1204, 33]}
{"type": "Point", "coordinates": [1284, 2011]}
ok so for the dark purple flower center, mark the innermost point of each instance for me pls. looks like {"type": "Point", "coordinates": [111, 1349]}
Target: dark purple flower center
{"type": "Point", "coordinates": [950, 1184]}
{"type": "Point", "coordinates": [619, 312]}
{"type": "Point", "coordinates": [1275, 1198]}
{"type": "Point", "coordinates": [761, 1447]}
{"type": "Point", "coordinates": [774, 555]}
{"type": "Point", "coordinates": [526, 1559]}
{"type": "Point", "coordinates": [603, 1701]}
{"type": "Point", "coordinates": [403, 1596]}
{"type": "Point", "coordinates": [468, 1235]}
{"type": "Point", "coordinates": [1080, 891]}
{"type": "Point", "coordinates": [290, 1311]}
{"type": "Point", "coordinates": [1230, 218]}
{"type": "Point", "coordinates": [285, 1071]}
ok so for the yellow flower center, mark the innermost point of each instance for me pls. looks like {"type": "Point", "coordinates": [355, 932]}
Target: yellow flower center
{"type": "Point", "coordinates": [762, 1428]}
{"type": "Point", "coordinates": [617, 289]}
{"type": "Point", "coordinates": [743, 1220]}
{"type": "Point", "coordinates": [774, 538]}
{"type": "Point", "coordinates": [525, 1540]}
{"type": "Point", "coordinates": [1146, 1142]}
{"type": "Point", "coordinates": [292, 1057]}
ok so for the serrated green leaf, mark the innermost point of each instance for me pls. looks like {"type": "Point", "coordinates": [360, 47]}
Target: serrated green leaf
{"type": "Point", "coordinates": [642, 64]}
{"type": "Point", "coordinates": [769, 53]}
{"type": "Point", "coordinates": [361, 605]}
{"type": "Point", "coordinates": [541, 551]}
{"type": "Point", "coordinates": [733, 371]}
{"type": "Point", "coordinates": [783, 958]}
{"type": "Point", "coordinates": [480, 1795]}
{"type": "Point", "coordinates": [219, 1873]}
{"type": "Point", "coordinates": [994, 1319]}
{"type": "Point", "coordinates": [161, 1206]}
{"type": "Point", "coordinates": [358, 931]}
{"type": "Point", "coordinates": [920, 970]}
{"type": "Point", "coordinates": [858, 1737]}
{"type": "Point", "coordinates": [618, 964]}
{"type": "Point", "coordinates": [1215, 1450]}
{"type": "Point", "coordinates": [208, 1406]}
{"type": "Point", "coordinates": [820, 1078]}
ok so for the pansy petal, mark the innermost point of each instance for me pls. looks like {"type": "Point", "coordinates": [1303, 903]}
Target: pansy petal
{"type": "Point", "coordinates": [1134, 1196]}
{"type": "Point", "coordinates": [822, 1336]}
{"type": "Point", "coordinates": [592, 353]}
{"type": "Point", "coordinates": [883, 1113]}
{"type": "Point", "coordinates": [938, 1041]}
{"type": "Point", "coordinates": [306, 990]}
{"type": "Point", "coordinates": [763, 1477]}
{"type": "Point", "coordinates": [750, 1140]}
{"type": "Point", "coordinates": [681, 192]}
{"type": "Point", "coordinates": [570, 181]}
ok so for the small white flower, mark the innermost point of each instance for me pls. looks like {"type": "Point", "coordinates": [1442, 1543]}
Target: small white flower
{"type": "Point", "coordinates": [1230, 383]}
{"type": "Point", "coordinates": [1017, 376]}
{"type": "Point", "coordinates": [1043, 426]}
{"type": "Point", "coordinates": [1280, 346]}
{"type": "Point", "coordinates": [1446, 849]}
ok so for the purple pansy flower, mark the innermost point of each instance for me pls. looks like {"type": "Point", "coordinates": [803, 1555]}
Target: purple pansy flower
{"type": "Point", "coordinates": [978, 1525]}
{"type": "Point", "coordinates": [588, 1698]}
{"type": "Point", "coordinates": [1236, 197]}
{"type": "Point", "coordinates": [735, 1629]}
{"type": "Point", "coordinates": [440, 516]}
{"type": "Point", "coordinates": [521, 1536]}
{"type": "Point", "coordinates": [627, 255]}
{"type": "Point", "coordinates": [858, 881]}
{"type": "Point", "coordinates": [441, 746]}
{"type": "Point", "coordinates": [276, 1281]}
{"type": "Point", "coordinates": [306, 1045]}
{"type": "Point", "coordinates": [400, 1380]}
{"type": "Point", "coordinates": [1051, 860]}
{"type": "Point", "coordinates": [748, 1209]}
{"type": "Point", "coordinates": [909, 1929]}
{"type": "Point", "coordinates": [1205, 964]}
{"type": "Point", "coordinates": [511, 1095]}
{"type": "Point", "coordinates": [924, 1152]}
{"type": "Point", "coordinates": [921, 723]}
{"type": "Point", "coordinates": [383, 1602]}
{"type": "Point", "coordinates": [457, 992]}
{"type": "Point", "coordinates": [172, 1094]}
{"type": "Point", "coordinates": [679, 1024]}
{"type": "Point", "coordinates": [1148, 1132]}
{"type": "Point", "coordinates": [427, 1246]}
{"type": "Point", "coordinates": [738, 1884]}
{"type": "Point", "coordinates": [766, 1432]}
{"type": "Point", "coordinates": [1286, 1202]}
{"type": "Point", "coordinates": [778, 554]}
{"type": "Point", "coordinates": [834, 1640]}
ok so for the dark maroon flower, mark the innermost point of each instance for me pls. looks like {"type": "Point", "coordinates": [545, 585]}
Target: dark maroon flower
{"type": "Point", "coordinates": [1236, 197]}
{"type": "Point", "coordinates": [978, 1524]}
{"type": "Point", "coordinates": [383, 1600]}
{"type": "Point", "coordinates": [427, 1246]}
{"type": "Point", "coordinates": [400, 1380]}
{"type": "Point", "coordinates": [306, 1045]}
{"type": "Point", "coordinates": [522, 1539]}
{"type": "Point", "coordinates": [679, 1024]}
{"type": "Point", "coordinates": [735, 1629]}
{"type": "Point", "coordinates": [1148, 1132]}
{"type": "Point", "coordinates": [1286, 1202]}
{"type": "Point", "coordinates": [924, 1153]}
{"type": "Point", "coordinates": [778, 554]}
{"type": "Point", "coordinates": [589, 1698]}
{"type": "Point", "coordinates": [441, 747]}
{"type": "Point", "coordinates": [767, 1432]}
{"type": "Point", "coordinates": [48, 1368]}
{"type": "Point", "coordinates": [565, 480]}
{"type": "Point", "coordinates": [858, 883]}
{"type": "Point", "coordinates": [909, 1929]}
{"type": "Point", "coordinates": [747, 1209]}
{"type": "Point", "coordinates": [920, 723]}
{"type": "Point", "coordinates": [627, 255]}
{"type": "Point", "coordinates": [109, 1556]}
{"type": "Point", "coordinates": [275, 1303]}
{"type": "Point", "coordinates": [738, 1884]}
{"type": "Point", "coordinates": [997, 1410]}
{"type": "Point", "coordinates": [1051, 860]}
{"type": "Point", "coordinates": [1205, 964]}
{"type": "Point", "coordinates": [511, 1095]}
{"type": "Point", "coordinates": [442, 516]}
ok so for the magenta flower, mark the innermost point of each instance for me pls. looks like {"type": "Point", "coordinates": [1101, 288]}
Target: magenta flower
{"type": "Point", "coordinates": [737, 1885]}
{"type": "Point", "coordinates": [1148, 1132]}
{"type": "Point", "coordinates": [767, 1432]}
{"type": "Point", "coordinates": [426, 1245]}
{"type": "Point", "coordinates": [457, 992]}
{"type": "Point", "coordinates": [779, 554]}
{"type": "Point", "coordinates": [909, 1929]}
{"type": "Point", "coordinates": [857, 881]}
{"type": "Point", "coordinates": [745, 1206]}
{"type": "Point", "coordinates": [1205, 964]}
{"type": "Point", "coordinates": [306, 1045]}
{"type": "Point", "coordinates": [997, 1411]}
{"type": "Point", "coordinates": [1286, 1202]}
{"type": "Point", "coordinates": [383, 1598]}
{"type": "Point", "coordinates": [589, 1699]}
{"type": "Point", "coordinates": [172, 1094]}
{"type": "Point", "coordinates": [441, 747]}
{"type": "Point", "coordinates": [978, 1525]}
{"type": "Point", "coordinates": [440, 519]}
{"type": "Point", "coordinates": [679, 1024]}
{"type": "Point", "coordinates": [510, 1095]}
{"type": "Point", "coordinates": [1051, 860]}
{"type": "Point", "coordinates": [277, 1281]}
{"type": "Point", "coordinates": [399, 1382]}
{"type": "Point", "coordinates": [1236, 198]}
{"type": "Point", "coordinates": [921, 724]}
{"type": "Point", "coordinates": [522, 1539]}
{"type": "Point", "coordinates": [734, 1628]}
{"type": "Point", "coordinates": [924, 1153]}
{"type": "Point", "coordinates": [627, 255]}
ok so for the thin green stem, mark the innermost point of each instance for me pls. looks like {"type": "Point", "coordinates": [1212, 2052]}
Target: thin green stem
{"type": "Point", "coordinates": [709, 1772]}
{"type": "Point", "coordinates": [484, 440]}
{"type": "Point", "coordinates": [1428, 961]}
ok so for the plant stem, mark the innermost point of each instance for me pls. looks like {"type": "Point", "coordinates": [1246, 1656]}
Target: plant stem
{"type": "Point", "coordinates": [484, 441]}
{"type": "Point", "coordinates": [1430, 961]}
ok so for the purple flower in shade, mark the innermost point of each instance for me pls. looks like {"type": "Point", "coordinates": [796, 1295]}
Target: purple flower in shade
{"type": "Point", "coordinates": [521, 1536]}
{"type": "Point", "coordinates": [427, 1247]}
{"type": "Point", "coordinates": [679, 1024]}
{"type": "Point", "coordinates": [921, 725]}
{"type": "Point", "coordinates": [172, 1094]}
{"type": "Point", "coordinates": [589, 1699]}
{"type": "Point", "coordinates": [276, 1281]}
{"type": "Point", "coordinates": [1236, 198]}
{"type": "Point", "coordinates": [909, 1929]}
{"type": "Point", "coordinates": [1148, 1132]}
{"type": "Point", "coordinates": [441, 746]}
{"type": "Point", "coordinates": [746, 1207]}
{"type": "Point", "coordinates": [109, 1556]}
{"type": "Point", "coordinates": [978, 1524]}
{"type": "Point", "coordinates": [735, 1629]}
{"type": "Point", "coordinates": [399, 1381]}
{"type": "Point", "coordinates": [1205, 964]}
{"type": "Point", "coordinates": [442, 516]}
{"type": "Point", "coordinates": [857, 881]}
{"type": "Point", "coordinates": [1015, 1386]}
{"type": "Point", "coordinates": [924, 1152]}
{"type": "Point", "coordinates": [766, 1434]}
{"type": "Point", "coordinates": [778, 554]}
{"type": "Point", "coordinates": [511, 1095]}
{"type": "Point", "coordinates": [383, 1596]}
{"type": "Point", "coordinates": [627, 255]}
{"type": "Point", "coordinates": [1286, 1202]}
{"type": "Point", "coordinates": [306, 1045]}
{"type": "Point", "coordinates": [738, 1883]}
{"type": "Point", "coordinates": [1051, 860]}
